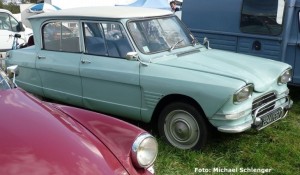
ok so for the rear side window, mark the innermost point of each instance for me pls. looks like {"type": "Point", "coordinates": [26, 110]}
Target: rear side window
{"type": "Point", "coordinates": [61, 36]}
{"type": "Point", "coordinates": [262, 17]}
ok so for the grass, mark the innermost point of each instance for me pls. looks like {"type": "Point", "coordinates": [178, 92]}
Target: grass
{"type": "Point", "coordinates": [276, 147]}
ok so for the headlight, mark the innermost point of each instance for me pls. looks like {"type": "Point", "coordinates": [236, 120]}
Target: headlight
{"type": "Point", "coordinates": [243, 94]}
{"type": "Point", "coordinates": [285, 77]}
{"type": "Point", "coordinates": [144, 151]}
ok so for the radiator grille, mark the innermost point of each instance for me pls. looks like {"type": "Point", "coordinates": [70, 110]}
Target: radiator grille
{"type": "Point", "coordinates": [263, 100]}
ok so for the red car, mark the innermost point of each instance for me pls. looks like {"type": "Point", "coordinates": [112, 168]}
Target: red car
{"type": "Point", "coordinates": [44, 138]}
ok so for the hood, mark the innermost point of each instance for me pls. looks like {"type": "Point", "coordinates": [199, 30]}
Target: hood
{"type": "Point", "coordinates": [118, 136]}
{"type": "Point", "coordinates": [36, 138]}
{"type": "Point", "coordinates": [250, 69]}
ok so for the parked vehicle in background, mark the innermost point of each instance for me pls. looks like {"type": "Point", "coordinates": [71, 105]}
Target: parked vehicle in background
{"type": "Point", "coordinates": [145, 65]}
{"type": "Point", "coordinates": [268, 28]}
{"type": "Point", "coordinates": [46, 138]}
{"type": "Point", "coordinates": [9, 26]}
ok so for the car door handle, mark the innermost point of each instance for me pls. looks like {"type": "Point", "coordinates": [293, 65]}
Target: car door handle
{"type": "Point", "coordinates": [85, 61]}
{"type": "Point", "coordinates": [41, 57]}
{"type": "Point", "coordinates": [298, 44]}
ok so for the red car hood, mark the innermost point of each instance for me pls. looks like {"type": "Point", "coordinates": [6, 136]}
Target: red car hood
{"type": "Point", "coordinates": [117, 135]}
{"type": "Point", "coordinates": [38, 139]}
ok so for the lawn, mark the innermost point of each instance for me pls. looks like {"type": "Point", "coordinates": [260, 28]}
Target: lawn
{"type": "Point", "coordinates": [273, 150]}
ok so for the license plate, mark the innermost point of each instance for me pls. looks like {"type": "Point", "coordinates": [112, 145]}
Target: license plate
{"type": "Point", "coordinates": [270, 118]}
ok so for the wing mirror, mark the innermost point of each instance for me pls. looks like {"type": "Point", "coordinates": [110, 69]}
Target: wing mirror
{"type": "Point", "coordinates": [20, 27]}
{"type": "Point", "coordinates": [12, 72]}
{"type": "Point", "coordinates": [206, 42]}
{"type": "Point", "coordinates": [133, 56]}
{"type": "Point", "coordinates": [17, 35]}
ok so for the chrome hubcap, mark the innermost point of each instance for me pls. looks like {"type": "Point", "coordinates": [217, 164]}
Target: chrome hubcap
{"type": "Point", "coordinates": [181, 129]}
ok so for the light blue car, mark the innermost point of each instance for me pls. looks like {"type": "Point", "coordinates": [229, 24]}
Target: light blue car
{"type": "Point", "coordinates": [144, 64]}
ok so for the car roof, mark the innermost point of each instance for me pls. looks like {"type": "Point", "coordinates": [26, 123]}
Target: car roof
{"type": "Point", "coordinates": [6, 11]}
{"type": "Point", "coordinates": [105, 12]}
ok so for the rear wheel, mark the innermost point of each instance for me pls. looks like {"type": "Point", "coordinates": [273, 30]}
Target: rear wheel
{"type": "Point", "coordinates": [183, 126]}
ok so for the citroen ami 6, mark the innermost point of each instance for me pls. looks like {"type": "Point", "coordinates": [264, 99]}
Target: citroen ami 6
{"type": "Point", "coordinates": [144, 64]}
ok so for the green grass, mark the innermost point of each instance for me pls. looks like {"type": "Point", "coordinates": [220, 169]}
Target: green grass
{"type": "Point", "coordinates": [276, 147]}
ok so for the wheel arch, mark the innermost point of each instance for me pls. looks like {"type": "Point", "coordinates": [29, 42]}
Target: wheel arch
{"type": "Point", "coordinates": [175, 98]}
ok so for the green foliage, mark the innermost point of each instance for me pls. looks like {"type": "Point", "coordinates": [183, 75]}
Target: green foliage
{"type": "Point", "coordinates": [12, 8]}
{"type": "Point", "coordinates": [275, 147]}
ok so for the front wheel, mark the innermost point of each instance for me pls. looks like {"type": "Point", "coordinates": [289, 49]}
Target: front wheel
{"type": "Point", "coordinates": [182, 125]}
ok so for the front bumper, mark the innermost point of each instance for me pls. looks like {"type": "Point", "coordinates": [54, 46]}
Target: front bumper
{"type": "Point", "coordinates": [257, 122]}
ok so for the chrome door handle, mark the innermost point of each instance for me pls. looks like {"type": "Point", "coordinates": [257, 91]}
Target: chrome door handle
{"type": "Point", "coordinates": [41, 57]}
{"type": "Point", "coordinates": [85, 61]}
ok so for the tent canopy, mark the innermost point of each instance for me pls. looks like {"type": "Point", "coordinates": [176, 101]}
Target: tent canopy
{"type": "Point", "coordinates": [159, 4]}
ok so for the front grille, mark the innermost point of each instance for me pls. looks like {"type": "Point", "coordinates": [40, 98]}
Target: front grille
{"type": "Point", "coordinates": [263, 100]}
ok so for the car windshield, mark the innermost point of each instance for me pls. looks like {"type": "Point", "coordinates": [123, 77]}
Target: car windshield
{"type": "Point", "coordinates": [159, 34]}
{"type": "Point", "coordinates": [4, 82]}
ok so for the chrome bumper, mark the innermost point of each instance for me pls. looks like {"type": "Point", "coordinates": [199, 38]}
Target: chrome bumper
{"type": "Point", "coordinates": [256, 121]}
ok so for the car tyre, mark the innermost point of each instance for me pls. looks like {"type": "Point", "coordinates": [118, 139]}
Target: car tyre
{"type": "Point", "coordinates": [183, 126]}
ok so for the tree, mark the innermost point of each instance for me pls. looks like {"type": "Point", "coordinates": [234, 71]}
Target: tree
{"type": "Point", "coordinates": [12, 8]}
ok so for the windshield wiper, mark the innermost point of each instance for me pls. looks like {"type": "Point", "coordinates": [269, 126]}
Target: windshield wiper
{"type": "Point", "coordinates": [171, 48]}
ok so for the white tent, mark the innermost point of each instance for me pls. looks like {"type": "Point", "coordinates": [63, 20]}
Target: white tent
{"type": "Point", "coordinates": [65, 4]}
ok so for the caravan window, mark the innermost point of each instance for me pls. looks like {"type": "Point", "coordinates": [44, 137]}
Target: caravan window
{"type": "Point", "coordinates": [262, 17]}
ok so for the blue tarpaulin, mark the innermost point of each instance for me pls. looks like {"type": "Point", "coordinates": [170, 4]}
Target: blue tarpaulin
{"type": "Point", "coordinates": [159, 4]}
{"type": "Point", "coordinates": [43, 7]}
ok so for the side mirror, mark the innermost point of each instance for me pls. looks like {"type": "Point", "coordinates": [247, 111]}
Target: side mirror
{"type": "Point", "coordinates": [17, 35]}
{"type": "Point", "coordinates": [12, 72]}
{"type": "Point", "coordinates": [206, 42]}
{"type": "Point", "coordinates": [133, 56]}
{"type": "Point", "coordinates": [20, 27]}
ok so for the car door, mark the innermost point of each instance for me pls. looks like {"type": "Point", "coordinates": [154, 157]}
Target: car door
{"type": "Point", "coordinates": [110, 83]}
{"type": "Point", "coordinates": [58, 62]}
{"type": "Point", "coordinates": [7, 31]}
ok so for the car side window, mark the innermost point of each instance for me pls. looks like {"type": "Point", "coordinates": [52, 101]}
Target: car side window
{"type": "Point", "coordinates": [61, 36]}
{"type": "Point", "coordinates": [5, 22]}
{"type": "Point", "coordinates": [262, 17]}
{"type": "Point", "coordinates": [106, 39]}
{"type": "Point", "coordinates": [14, 24]}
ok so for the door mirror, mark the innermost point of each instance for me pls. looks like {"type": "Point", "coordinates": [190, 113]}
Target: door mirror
{"type": "Point", "coordinates": [20, 27]}
{"type": "Point", "coordinates": [132, 56]}
{"type": "Point", "coordinates": [12, 72]}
